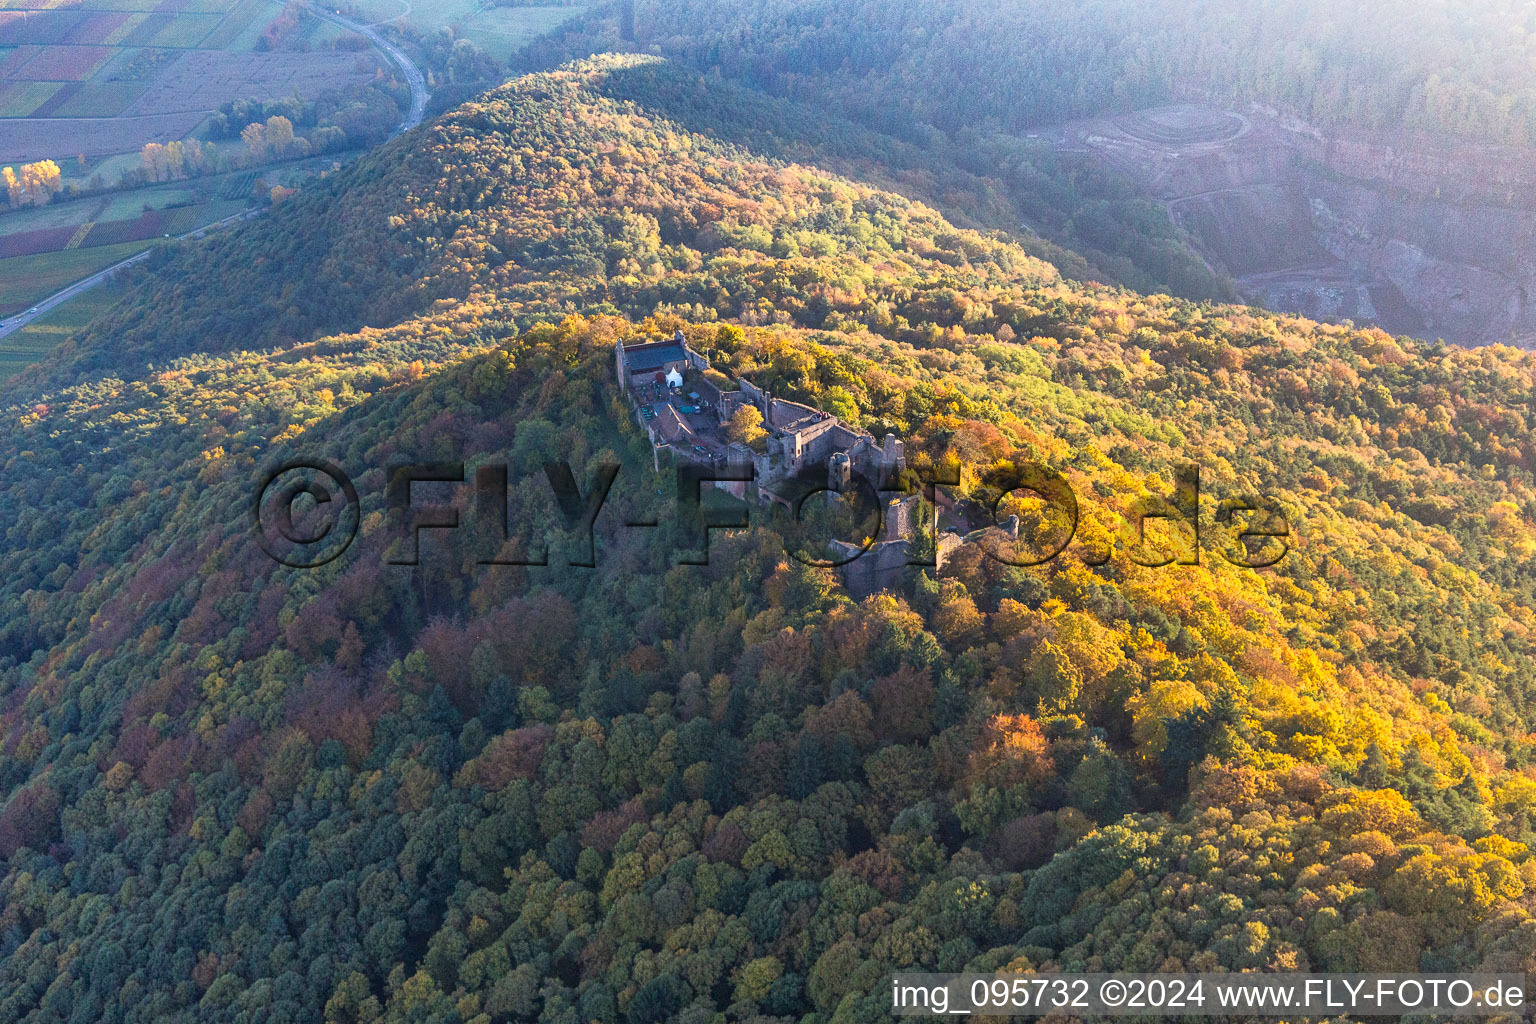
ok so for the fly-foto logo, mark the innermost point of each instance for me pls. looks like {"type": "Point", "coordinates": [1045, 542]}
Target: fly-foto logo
{"type": "Point", "coordinates": [307, 514]}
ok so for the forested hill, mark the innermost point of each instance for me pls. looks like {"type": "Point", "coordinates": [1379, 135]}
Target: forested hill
{"type": "Point", "coordinates": [1460, 68]}
{"type": "Point", "coordinates": [231, 791]}
{"type": "Point", "coordinates": [433, 219]}
{"type": "Point", "coordinates": [503, 197]}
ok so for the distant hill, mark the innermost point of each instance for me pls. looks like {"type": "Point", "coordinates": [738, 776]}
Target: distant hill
{"type": "Point", "coordinates": [233, 791]}
{"type": "Point", "coordinates": [1447, 67]}
{"type": "Point", "coordinates": [448, 217]}
{"type": "Point", "coordinates": [1388, 179]}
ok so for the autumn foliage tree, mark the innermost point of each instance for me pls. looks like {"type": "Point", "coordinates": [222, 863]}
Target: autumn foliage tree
{"type": "Point", "coordinates": [473, 789]}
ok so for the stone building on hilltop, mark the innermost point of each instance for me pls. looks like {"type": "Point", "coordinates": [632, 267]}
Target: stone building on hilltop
{"type": "Point", "coordinates": [685, 414]}
{"type": "Point", "coordinates": [683, 411]}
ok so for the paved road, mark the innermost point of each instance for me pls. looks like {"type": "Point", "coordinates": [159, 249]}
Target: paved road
{"type": "Point", "coordinates": [13, 324]}
{"type": "Point", "coordinates": [413, 77]}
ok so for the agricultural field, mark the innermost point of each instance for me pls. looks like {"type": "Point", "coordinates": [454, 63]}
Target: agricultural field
{"type": "Point", "coordinates": [37, 339]}
{"type": "Point", "coordinates": [35, 138]}
{"type": "Point", "coordinates": [500, 31]}
{"type": "Point", "coordinates": [19, 99]}
{"type": "Point", "coordinates": [138, 215]}
{"type": "Point", "coordinates": [95, 78]}
{"type": "Point", "coordinates": [202, 79]}
{"type": "Point", "coordinates": [44, 248]}
{"type": "Point", "coordinates": [88, 83]}
{"type": "Point", "coordinates": [27, 279]}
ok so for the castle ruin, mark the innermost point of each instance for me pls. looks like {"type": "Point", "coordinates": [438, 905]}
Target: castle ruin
{"type": "Point", "coordinates": [684, 414]}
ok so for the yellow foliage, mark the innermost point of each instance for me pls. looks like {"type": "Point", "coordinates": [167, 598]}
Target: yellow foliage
{"type": "Point", "coordinates": [1377, 810]}
{"type": "Point", "coordinates": [1164, 700]}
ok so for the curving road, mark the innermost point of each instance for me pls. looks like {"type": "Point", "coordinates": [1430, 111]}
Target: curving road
{"type": "Point", "coordinates": [413, 117]}
{"type": "Point", "coordinates": [413, 76]}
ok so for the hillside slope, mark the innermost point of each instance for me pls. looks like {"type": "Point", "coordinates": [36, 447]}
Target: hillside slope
{"type": "Point", "coordinates": [236, 792]}
{"type": "Point", "coordinates": [1360, 160]}
{"type": "Point", "coordinates": [499, 199]}
{"type": "Point", "coordinates": [1446, 67]}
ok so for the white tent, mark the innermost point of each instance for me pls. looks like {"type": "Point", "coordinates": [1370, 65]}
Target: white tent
{"type": "Point", "coordinates": [674, 378]}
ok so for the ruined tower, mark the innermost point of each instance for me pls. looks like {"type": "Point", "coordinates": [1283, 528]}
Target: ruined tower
{"type": "Point", "coordinates": [839, 472]}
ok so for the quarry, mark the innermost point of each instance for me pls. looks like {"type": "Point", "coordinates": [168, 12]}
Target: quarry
{"type": "Point", "coordinates": [1415, 236]}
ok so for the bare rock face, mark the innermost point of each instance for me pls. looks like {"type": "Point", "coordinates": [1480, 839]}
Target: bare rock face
{"type": "Point", "coordinates": [1458, 266]}
{"type": "Point", "coordinates": [1462, 173]}
{"type": "Point", "coordinates": [1416, 236]}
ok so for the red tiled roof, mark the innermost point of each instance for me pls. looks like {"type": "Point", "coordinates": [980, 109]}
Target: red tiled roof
{"type": "Point", "coordinates": [668, 425]}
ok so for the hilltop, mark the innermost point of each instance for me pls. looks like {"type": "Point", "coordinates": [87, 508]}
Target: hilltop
{"type": "Point", "coordinates": [1363, 160]}
{"type": "Point", "coordinates": [237, 791]}
{"type": "Point", "coordinates": [552, 196]}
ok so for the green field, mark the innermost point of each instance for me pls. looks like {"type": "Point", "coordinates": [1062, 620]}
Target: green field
{"type": "Point", "coordinates": [118, 206]}
{"type": "Point", "coordinates": [130, 204]}
{"type": "Point", "coordinates": [424, 14]}
{"type": "Point", "coordinates": [111, 168]}
{"type": "Point", "coordinates": [100, 99]}
{"type": "Point", "coordinates": [27, 279]}
{"type": "Point", "coordinates": [54, 215]}
{"type": "Point", "coordinates": [18, 99]}
{"type": "Point", "coordinates": [501, 31]}
{"type": "Point", "coordinates": [186, 30]}
{"type": "Point", "coordinates": [250, 19]}
{"type": "Point", "coordinates": [40, 337]}
{"type": "Point", "coordinates": [320, 33]}
{"type": "Point", "coordinates": [119, 5]}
